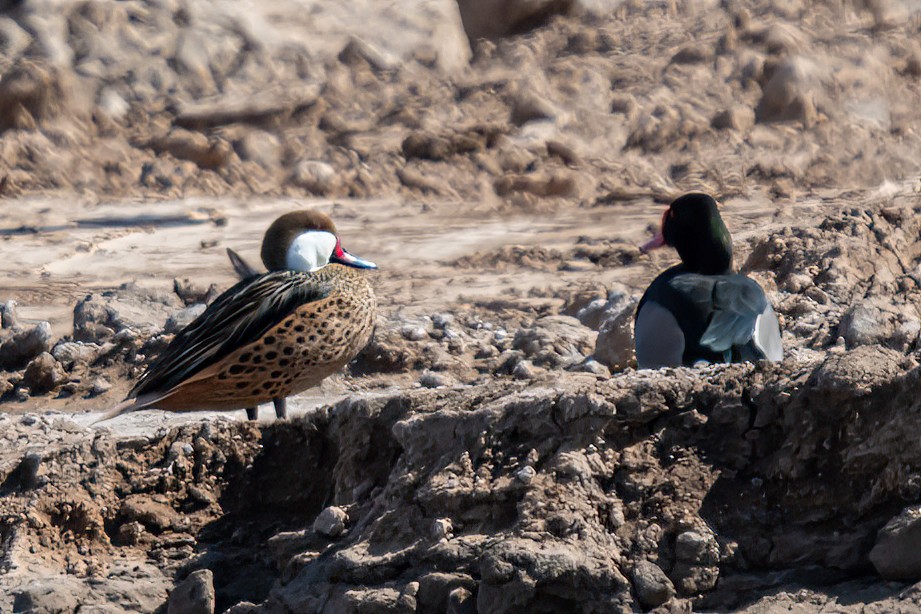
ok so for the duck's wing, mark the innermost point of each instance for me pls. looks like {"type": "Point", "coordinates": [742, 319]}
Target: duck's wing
{"type": "Point", "coordinates": [740, 312]}
{"type": "Point", "coordinates": [242, 267]}
{"type": "Point", "coordinates": [238, 317]}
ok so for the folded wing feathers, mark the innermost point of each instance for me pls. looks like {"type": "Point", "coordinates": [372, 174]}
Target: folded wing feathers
{"type": "Point", "coordinates": [736, 301]}
{"type": "Point", "coordinates": [238, 317]}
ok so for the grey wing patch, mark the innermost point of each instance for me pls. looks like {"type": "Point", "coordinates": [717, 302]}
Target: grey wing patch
{"type": "Point", "coordinates": [238, 317]}
{"type": "Point", "coordinates": [242, 267]}
{"type": "Point", "coordinates": [735, 301]}
{"type": "Point", "coordinates": [767, 335]}
{"type": "Point", "coordinates": [658, 338]}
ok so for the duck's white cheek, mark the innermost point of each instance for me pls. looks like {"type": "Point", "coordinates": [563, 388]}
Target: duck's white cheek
{"type": "Point", "coordinates": [310, 251]}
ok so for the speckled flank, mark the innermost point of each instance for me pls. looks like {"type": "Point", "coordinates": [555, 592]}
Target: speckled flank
{"type": "Point", "coordinates": [317, 340]}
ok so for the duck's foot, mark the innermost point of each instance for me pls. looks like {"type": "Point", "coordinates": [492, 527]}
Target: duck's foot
{"type": "Point", "coordinates": [281, 408]}
{"type": "Point", "coordinates": [251, 413]}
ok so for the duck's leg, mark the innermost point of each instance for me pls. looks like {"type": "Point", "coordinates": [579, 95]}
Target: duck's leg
{"type": "Point", "coordinates": [251, 413]}
{"type": "Point", "coordinates": [281, 408]}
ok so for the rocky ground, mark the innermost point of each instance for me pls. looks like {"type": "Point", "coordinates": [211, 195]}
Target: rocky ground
{"type": "Point", "coordinates": [493, 449]}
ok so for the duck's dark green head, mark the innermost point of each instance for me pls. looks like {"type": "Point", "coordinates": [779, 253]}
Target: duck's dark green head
{"type": "Point", "coordinates": [693, 226]}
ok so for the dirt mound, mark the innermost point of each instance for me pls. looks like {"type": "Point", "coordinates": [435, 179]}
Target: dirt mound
{"type": "Point", "coordinates": [597, 106]}
{"type": "Point", "coordinates": [567, 492]}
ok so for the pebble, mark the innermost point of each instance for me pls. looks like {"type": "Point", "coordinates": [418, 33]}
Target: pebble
{"type": "Point", "coordinates": [43, 374]}
{"type": "Point", "coordinates": [442, 320]}
{"type": "Point", "coordinates": [653, 588]}
{"type": "Point", "coordinates": [8, 317]}
{"type": "Point", "coordinates": [70, 353]}
{"type": "Point", "coordinates": [590, 365]}
{"type": "Point", "coordinates": [412, 332]}
{"type": "Point", "coordinates": [523, 370]}
{"type": "Point", "coordinates": [316, 177]}
{"type": "Point", "coordinates": [100, 386]}
{"type": "Point", "coordinates": [195, 595]}
{"type": "Point", "coordinates": [331, 521]}
{"type": "Point", "coordinates": [442, 528]}
{"type": "Point", "coordinates": [16, 352]}
{"type": "Point", "coordinates": [526, 474]}
{"type": "Point", "coordinates": [433, 380]}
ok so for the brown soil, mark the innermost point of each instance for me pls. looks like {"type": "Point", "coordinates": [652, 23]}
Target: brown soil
{"type": "Point", "coordinates": [480, 461]}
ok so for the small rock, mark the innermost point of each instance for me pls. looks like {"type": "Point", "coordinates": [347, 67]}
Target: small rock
{"type": "Point", "coordinates": [331, 521]}
{"type": "Point", "coordinates": [13, 39]}
{"type": "Point", "coordinates": [897, 553]}
{"type": "Point", "coordinates": [526, 474]}
{"type": "Point", "coordinates": [200, 495]}
{"type": "Point", "coordinates": [653, 588]}
{"type": "Point", "coordinates": [412, 332]}
{"type": "Point", "coordinates": [789, 93]}
{"type": "Point", "coordinates": [8, 317]}
{"type": "Point", "coordinates": [433, 380]}
{"type": "Point", "coordinates": [442, 320]}
{"type": "Point", "coordinates": [528, 106]}
{"type": "Point", "coordinates": [357, 50]}
{"type": "Point", "coordinates": [100, 386]}
{"type": "Point", "coordinates": [590, 365]}
{"type": "Point", "coordinates": [195, 595]}
{"type": "Point", "coordinates": [614, 345]}
{"type": "Point", "coordinates": [43, 374]}
{"type": "Point", "coordinates": [594, 312]}
{"type": "Point", "coordinates": [697, 548]}
{"type": "Point", "coordinates": [739, 118]}
{"type": "Point", "coordinates": [316, 177]}
{"type": "Point", "coordinates": [130, 533]}
{"type": "Point", "coordinates": [260, 147]}
{"type": "Point", "coordinates": [461, 601]}
{"type": "Point", "coordinates": [864, 324]}
{"type": "Point", "coordinates": [182, 318]}
{"type": "Point", "coordinates": [71, 353]}
{"type": "Point", "coordinates": [524, 370]}
{"type": "Point", "coordinates": [153, 515]}
{"type": "Point", "coordinates": [18, 350]}
{"type": "Point", "coordinates": [441, 528]}
{"type": "Point", "coordinates": [93, 319]}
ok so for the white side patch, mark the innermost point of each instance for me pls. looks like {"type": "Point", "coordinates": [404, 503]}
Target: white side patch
{"type": "Point", "coordinates": [310, 251]}
{"type": "Point", "coordinates": [659, 339]}
{"type": "Point", "coordinates": [767, 335]}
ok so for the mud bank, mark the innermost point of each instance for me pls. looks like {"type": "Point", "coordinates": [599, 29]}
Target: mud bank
{"type": "Point", "coordinates": [712, 489]}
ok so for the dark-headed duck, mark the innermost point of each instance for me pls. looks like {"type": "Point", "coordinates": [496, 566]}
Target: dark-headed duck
{"type": "Point", "coordinates": [700, 310]}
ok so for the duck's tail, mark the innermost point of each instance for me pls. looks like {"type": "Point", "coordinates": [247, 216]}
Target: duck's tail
{"type": "Point", "coordinates": [242, 267]}
{"type": "Point", "coordinates": [126, 406]}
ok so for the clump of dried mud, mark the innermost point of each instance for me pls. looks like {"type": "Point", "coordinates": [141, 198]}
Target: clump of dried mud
{"type": "Point", "coordinates": [495, 450]}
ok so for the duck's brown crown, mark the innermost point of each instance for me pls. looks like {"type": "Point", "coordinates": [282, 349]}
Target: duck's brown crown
{"type": "Point", "coordinates": [285, 229]}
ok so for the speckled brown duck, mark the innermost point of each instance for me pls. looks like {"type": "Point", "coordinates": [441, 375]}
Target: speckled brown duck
{"type": "Point", "coordinates": [271, 335]}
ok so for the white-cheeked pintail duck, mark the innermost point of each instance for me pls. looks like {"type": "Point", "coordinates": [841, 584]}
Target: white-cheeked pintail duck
{"type": "Point", "coordinates": [272, 334]}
